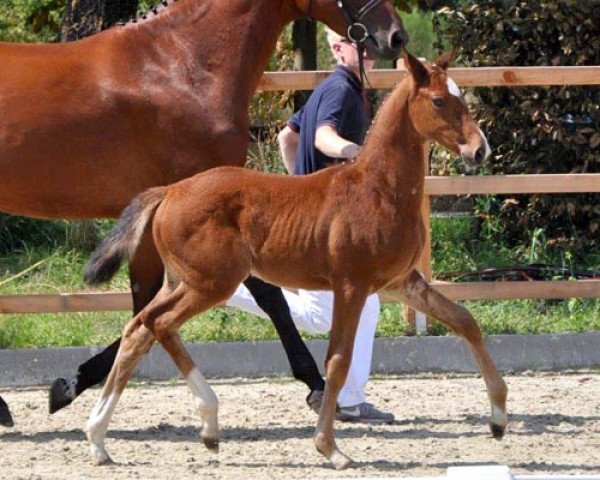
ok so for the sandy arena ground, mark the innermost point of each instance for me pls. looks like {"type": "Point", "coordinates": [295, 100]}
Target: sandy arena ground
{"type": "Point", "coordinates": [266, 431]}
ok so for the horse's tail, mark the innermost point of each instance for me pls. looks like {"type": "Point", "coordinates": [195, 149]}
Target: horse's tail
{"type": "Point", "coordinates": [123, 239]}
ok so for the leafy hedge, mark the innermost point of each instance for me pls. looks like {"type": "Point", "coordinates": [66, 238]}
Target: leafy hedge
{"type": "Point", "coordinates": [29, 20]}
{"type": "Point", "coordinates": [535, 130]}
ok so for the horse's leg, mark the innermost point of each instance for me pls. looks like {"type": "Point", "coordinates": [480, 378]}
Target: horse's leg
{"type": "Point", "coordinates": [136, 341]}
{"type": "Point", "coordinates": [170, 305]}
{"type": "Point", "coordinates": [185, 302]}
{"type": "Point", "coordinates": [6, 419]}
{"type": "Point", "coordinates": [304, 368]}
{"type": "Point", "coordinates": [418, 294]}
{"type": "Point", "coordinates": [145, 274]}
{"type": "Point", "coordinates": [347, 306]}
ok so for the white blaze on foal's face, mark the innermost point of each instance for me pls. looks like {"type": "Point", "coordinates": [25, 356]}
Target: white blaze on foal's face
{"type": "Point", "coordinates": [453, 88]}
{"type": "Point", "coordinates": [465, 149]}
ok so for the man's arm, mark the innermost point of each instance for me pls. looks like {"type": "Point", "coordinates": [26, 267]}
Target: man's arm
{"type": "Point", "coordinates": [288, 144]}
{"type": "Point", "coordinates": [331, 144]}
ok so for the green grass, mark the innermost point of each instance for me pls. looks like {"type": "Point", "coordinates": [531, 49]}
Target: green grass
{"type": "Point", "coordinates": [57, 270]}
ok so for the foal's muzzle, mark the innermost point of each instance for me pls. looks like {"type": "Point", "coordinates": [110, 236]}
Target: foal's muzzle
{"type": "Point", "coordinates": [475, 152]}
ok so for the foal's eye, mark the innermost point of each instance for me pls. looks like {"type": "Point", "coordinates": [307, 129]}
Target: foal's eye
{"type": "Point", "coordinates": [439, 102]}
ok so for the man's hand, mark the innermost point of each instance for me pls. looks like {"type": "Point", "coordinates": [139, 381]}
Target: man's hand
{"type": "Point", "coordinates": [350, 151]}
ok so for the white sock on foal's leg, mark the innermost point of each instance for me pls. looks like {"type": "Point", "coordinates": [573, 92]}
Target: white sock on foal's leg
{"type": "Point", "coordinates": [207, 404]}
{"type": "Point", "coordinates": [96, 427]}
{"type": "Point", "coordinates": [499, 420]}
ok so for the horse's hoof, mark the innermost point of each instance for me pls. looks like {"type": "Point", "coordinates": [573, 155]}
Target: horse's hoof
{"type": "Point", "coordinates": [6, 419]}
{"type": "Point", "coordinates": [340, 461]}
{"type": "Point", "coordinates": [211, 444]}
{"type": "Point", "coordinates": [62, 393]}
{"type": "Point", "coordinates": [497, 430]}
{"type": "Point", "coordinates": [314, 400]}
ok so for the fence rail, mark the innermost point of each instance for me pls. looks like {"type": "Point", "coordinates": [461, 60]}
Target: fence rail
{"type": "Point", "coordinates": [465, 77]}
{"type": "Point", "coordinates": [507, 184]}
{"type": "Point", "coordinates": [117, 301]}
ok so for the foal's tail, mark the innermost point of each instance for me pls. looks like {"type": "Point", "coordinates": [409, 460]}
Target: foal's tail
{"type": "Point", "coordinates": [123, 239]}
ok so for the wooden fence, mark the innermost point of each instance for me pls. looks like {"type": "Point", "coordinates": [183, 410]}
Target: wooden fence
{"type": "Point", "coordinates": [496, 184]}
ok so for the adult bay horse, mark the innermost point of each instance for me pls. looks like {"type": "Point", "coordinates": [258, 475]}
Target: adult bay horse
{"type": "Point", "coordinates": [85, 126]}
{"type": "Point", "coordinates": [360, 225]}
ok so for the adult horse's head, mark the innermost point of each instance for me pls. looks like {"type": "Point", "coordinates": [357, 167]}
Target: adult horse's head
{"type": "Point", "coordinates": [372, 22]}
{"type": "Point", "coordinates": [439, 112]}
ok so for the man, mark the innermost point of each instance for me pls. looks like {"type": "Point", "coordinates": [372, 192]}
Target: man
{"type": "Point", "coordinates": [328, 129]}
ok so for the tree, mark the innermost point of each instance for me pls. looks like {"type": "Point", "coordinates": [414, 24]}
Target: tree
{"type": "Point", "coordinates": [82, 18]}
{"type": "Point", "coordinates": [304, 44]}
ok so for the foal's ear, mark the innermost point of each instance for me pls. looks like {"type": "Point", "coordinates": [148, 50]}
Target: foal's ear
{"type": "Point", "coordinates": [414, 66]}
{"type": "Point", "coordinates": [444, 60]}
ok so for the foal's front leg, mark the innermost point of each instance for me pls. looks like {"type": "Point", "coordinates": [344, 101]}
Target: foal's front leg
{"type": "Point", "coordinates": [348, 304]}
{"type": "Point", "coordinates": [421, 296]}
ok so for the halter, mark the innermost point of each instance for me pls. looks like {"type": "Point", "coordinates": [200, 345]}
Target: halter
{"type": "Point", "coordinates": [357, 31]}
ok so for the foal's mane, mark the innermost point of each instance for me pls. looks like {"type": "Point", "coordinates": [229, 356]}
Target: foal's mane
{"type": "Point", "coordinates": [385, 105]}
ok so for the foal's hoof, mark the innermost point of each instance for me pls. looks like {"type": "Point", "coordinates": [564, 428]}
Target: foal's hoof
{"type": "Point", "coordinates": [62, 393]}
{"type": "Point", "coordinates": [211, 444]}
{"type": "Point", "coordinates": [497, 430]}
{"type": "Point", "coordinates": [340, 461]}
{"type": "Point", "coordinates": [6, 419]}
{"type": "Point", "coordinates": [99, 456]}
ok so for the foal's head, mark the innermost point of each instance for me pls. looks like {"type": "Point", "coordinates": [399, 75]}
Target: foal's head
{"type": "Point", "coordinates": [374, 21]}
{"type": "Point", "coordinates": [439, 112]}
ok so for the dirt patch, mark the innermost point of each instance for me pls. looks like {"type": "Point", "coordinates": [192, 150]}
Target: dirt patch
{"type": "Point", "coordinates": [266, 431]}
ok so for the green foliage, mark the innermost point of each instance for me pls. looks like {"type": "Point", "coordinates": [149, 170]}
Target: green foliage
{"type": "Point", "coordinates": [18, 232]}
{"type": "Point", "coordinates": [461, 244]}
{"type": "Point", "coordinates": [30, 20]}
{"type": "Point", "coordinates": [406, 6]}
{"type": "Point", "coordinates": [419, 26]}
{"type": "Point", "coordinates": [535, 130]}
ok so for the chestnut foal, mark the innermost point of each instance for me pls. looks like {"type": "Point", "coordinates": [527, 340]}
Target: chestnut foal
{"type": "Point", "coordinates": [355, 229]}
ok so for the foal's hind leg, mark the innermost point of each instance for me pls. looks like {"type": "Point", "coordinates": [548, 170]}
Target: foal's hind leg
{"type": "Point", "coordinates": [136, 341]}
{"type": "Point", "coordinates": [185, 303]}
{"type": "Point", "coordinates": [418, 294]}
{"type": "Point", "coordinates": [5, 416]}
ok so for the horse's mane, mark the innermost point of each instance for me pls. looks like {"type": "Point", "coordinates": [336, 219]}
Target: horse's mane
{"type": "Point", "coordinates": [155, 10]}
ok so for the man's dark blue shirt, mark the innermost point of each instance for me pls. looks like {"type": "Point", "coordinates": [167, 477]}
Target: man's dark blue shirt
{"type": "Point", "coordinates": [337, 102]}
